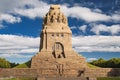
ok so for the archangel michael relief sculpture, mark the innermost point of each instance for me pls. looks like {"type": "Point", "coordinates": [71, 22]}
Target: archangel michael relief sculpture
{"type": "Point", "coordinates": [56, 50]}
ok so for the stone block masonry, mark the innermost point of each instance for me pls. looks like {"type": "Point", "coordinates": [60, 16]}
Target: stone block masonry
{"type": "Point", "coordinates": [22, 72]}
{"type": "Point", "coordinates": [102, 72]}
{"type": "Point", "coordinates": [42, 73]}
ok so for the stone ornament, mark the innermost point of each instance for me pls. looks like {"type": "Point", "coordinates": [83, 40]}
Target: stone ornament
{"type": "Point", "coordinates": [55, 16]}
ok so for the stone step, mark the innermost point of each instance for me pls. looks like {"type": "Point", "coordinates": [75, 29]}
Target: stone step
{"type": "Point", "coordinates": [62, 78]}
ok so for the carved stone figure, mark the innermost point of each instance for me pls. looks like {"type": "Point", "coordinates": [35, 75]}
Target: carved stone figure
{"type": "Point", "coordinates": [48, 18]}
{"type": "Point", "coordinates": [54, 15]}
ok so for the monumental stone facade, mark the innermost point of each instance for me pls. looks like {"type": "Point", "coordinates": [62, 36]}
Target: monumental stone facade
{"type": "Point", "coordinates": [56, 50]}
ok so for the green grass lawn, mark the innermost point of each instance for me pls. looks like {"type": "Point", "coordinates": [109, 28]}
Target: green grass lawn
{"type": "Point", "coordinates": [25, 66]}
{"type": "Point", "coordinates": [108, 78]}
{"type": "Point", "coordinates": [21, 66]}
{"type": "Point", "coordinates": [92, 66]}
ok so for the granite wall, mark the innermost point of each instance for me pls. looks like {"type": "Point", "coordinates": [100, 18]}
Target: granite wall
{"type": "Point", "coordinates": [91, 73]}
{"type": "Point", "coordinates": [102, 72]}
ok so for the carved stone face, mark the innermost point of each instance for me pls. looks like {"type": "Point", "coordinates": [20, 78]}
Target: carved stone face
{"type": "Point", "coordinates": [54, 8]}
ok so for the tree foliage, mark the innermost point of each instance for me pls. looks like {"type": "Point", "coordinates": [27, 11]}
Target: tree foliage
{"type": "Point", "coordinates": [4, 63]}
{"type": "Point", "coordinates": [14, 64]}
{"type": "Point", "coordinates": [111, 63]}
{"type": "Point", "coordinates": [28, 63]}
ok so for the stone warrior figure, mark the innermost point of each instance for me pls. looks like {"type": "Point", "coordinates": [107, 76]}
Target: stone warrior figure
{"type": "Point", "coordinates": [64, 19]}
{"type": "Point", "coordinates": [60, 17]}
{"type": "Point", "coordinates": [54, 15]}
{"type": "Point", "coordinates": [48, 18]}
{"type": "Point", "coordinates": [54, 18]}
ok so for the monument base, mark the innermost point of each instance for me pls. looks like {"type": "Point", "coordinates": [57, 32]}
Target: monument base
{"type": "Point", "coordinates": [47, 60]}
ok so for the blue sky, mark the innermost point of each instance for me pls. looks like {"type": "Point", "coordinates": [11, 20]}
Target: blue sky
{"type": "Point", "coordinates": [95, 25]}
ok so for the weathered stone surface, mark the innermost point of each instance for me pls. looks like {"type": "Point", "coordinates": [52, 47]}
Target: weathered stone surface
{"type": "Point", "coordinates": [18, 72]}
{"type": "Point", "coordinates": [102, 72]}
{"type": "Point", "coordinates": [68, 73]}
{"type": "Point", "coordinates": [56, 47]}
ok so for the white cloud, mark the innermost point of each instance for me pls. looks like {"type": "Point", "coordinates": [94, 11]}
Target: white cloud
{"type": "Point", "coordinates": [96, 43]}
{"type": "Point", "coordinates": [97, 10]}
{"type": "Point", "coordinates": [15, 56]}
{"type": "Point", "coordinates": [18, 44]}
{"type": "Point", "coordinates": [18, 4]}
{"type": "Point", "coordinates": [73, 27]}
{"type": "Point", "coordinates": [114, 29]}
{"type": "Point", "coordinates": [89, 15]}
{"type": "Point", "coordinates": [83, 28]}
{"type": "Point", "coordinates": [39, 9]}
{"type": "Point", "coordinates": [32, 13]}
{"type": "Point", "coordinates": [23, 44]}
{"type": "Point", "coordinates": [85, 13]}
{"type": "Point", "coordinates": [13, 45]}
{"type": "Point", "coordinates": [115, 17]}
{"type": "Point", "coordinates": [9, 18]}
{"type": "Point", "coordinates": [91, 59]}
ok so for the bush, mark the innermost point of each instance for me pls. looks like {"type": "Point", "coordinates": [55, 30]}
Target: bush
{"type": "Point", "coordinates": [4, 63]}
{"type": "Point", "coordinates": [112, 63]}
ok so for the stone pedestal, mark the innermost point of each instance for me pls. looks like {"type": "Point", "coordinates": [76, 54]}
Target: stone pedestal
{"type": "Point", "coordinates": [63, 66]}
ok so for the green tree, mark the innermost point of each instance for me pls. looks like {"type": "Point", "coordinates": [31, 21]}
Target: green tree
{"type": "Point", "coordinates": [14, 64]}
{"type": "Point", "coordinates": [112, 63]}
{"type": "Point", "coordinates": [100, 62]}
{"type": "Point", "coordinates": [28, 63]}
{"type": "Point", "coordinates": [4, 63]}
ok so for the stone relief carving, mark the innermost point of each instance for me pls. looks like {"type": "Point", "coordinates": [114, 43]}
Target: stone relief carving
{"type": "Point", "coordinates": [55, 16]}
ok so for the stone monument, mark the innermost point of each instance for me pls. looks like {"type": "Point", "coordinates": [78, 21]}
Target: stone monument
{"type": "Point", "coordinates": [55, 50]}
{"type": "Point", "coordinates": [56, 60]}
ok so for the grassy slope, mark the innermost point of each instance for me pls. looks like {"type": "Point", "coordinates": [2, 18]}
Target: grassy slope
{"type": "Point", "coordinates": [22, 66]}
{"type": "Point", "coordinates": [22, 79]}
{"type": "Point", "coordinates": [92, 66]}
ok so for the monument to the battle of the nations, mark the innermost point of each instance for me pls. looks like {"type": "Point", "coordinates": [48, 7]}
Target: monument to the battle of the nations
{"type": "Point", "coordinates": [55, 45]}
{"type": "Point", "coordinates": [56, 59]}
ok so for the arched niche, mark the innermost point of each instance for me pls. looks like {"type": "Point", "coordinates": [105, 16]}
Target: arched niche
{"type": "Point", "coordinates": [58, 50]}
